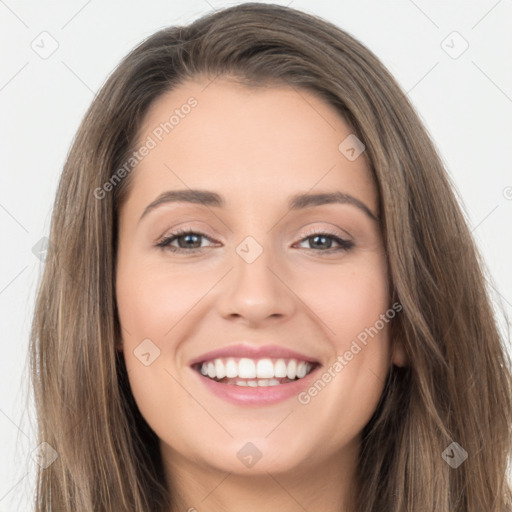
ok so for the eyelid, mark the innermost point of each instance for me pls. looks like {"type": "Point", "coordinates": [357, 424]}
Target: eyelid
{"type": "Point", "coordinates": [337, 232]}
{"type": "Point", "coordinates": [189, 227]}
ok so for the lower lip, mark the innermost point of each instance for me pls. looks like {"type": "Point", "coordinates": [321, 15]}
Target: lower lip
{"type": "Point", "coordinates": [260, 395]}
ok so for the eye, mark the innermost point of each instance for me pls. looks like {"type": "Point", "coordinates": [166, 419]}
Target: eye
{"type": "Point", "coordinates": [189, 241]}
{"type": "Point", "coordinates": [323, 240]}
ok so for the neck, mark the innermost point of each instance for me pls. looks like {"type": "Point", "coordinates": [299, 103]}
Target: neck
{"type": "Point", "coordinates": [326, 487]}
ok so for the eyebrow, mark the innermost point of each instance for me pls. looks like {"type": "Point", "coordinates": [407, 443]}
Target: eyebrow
{"type": "Point", "coordinates": [295, 202]}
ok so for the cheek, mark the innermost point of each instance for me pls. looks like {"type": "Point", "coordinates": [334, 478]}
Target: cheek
{"type": "Point", "coordinates": [349, 299]}
{"type": "Point", "coordinates": [155, 302]}
{"type": "Point", "coordinates": [151, 303]}
{"type": "Point", "coordinates": [152, 300]}
{"type": "Point", "coordinates": [353, 305]}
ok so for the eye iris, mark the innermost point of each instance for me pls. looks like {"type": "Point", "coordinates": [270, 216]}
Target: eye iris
{"type": "Point", "coordinates": [327, 241]}
{"type": "Point", "coordinates": [187, 237]}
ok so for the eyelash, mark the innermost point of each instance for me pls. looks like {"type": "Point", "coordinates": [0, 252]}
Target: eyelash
{"type": "Point", "coordinates": [345, 245]}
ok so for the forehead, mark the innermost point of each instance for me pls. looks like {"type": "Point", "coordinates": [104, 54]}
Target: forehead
{"type": "Point", "coordinates": [247, 143]}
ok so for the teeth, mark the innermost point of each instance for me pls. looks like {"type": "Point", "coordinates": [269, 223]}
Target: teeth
{"type": "Point", "coordinates": [265, 369]}
{"type": "Point", "coordinates": [262, 369]}
{"type": "Point", "coordinates": [301, 370]}
{"type": "Point", "coordinates": [292, 368]}
{"type": "Point", "coordinates": [280, 368]}
{"type": "Point", "coordinates": [246, 368]}
{"type": "Point", "coordinates": [254, 383]}
{"type": "Point", "coordinates": [231, 368]}
{"type": "Point", "coordinates": [220, 370]}
{"type": "Point", "coordinates": [211, 370]}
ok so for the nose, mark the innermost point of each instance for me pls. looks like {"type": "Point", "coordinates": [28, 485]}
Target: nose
{"type": "Point", "coordinates": [257, 292]}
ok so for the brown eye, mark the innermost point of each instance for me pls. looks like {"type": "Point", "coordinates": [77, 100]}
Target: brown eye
{"type": "Point", "coordinates": [324, 240]}
{"type": "Point", "coordinates": [188, 241]}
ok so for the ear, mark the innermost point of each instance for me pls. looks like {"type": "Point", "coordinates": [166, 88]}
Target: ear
{"type": "Point", "coordinates": [399, 356]}
{"type": "Point", "coordinates": [119, 346]}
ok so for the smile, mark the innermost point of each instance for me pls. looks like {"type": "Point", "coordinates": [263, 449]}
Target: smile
{"type": "Point", "coordinates": [251, 372]}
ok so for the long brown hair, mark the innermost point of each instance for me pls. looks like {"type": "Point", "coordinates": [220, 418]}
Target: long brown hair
{"type": "Point", "coordinates": [457, 387]}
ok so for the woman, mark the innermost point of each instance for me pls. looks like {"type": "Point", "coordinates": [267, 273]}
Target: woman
{"type": "Point", "coordinates": [332, 346]}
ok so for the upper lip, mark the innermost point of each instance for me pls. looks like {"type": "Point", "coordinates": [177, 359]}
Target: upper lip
{"type": "Point", "coordinates": [253, 352]}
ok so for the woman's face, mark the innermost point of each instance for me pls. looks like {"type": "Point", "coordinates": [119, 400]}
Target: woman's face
{"type": "Point", "coordinates": [257, 272]}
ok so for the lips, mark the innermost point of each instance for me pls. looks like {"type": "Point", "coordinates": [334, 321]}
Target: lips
{"type": "Point", "coordinates": [229, 373]}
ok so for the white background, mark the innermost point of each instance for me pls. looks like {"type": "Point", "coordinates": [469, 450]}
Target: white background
{"type": "Point", "coordinates": [465, 103]}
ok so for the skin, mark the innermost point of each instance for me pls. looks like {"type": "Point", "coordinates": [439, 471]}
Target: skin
{"type": "Point", "coordinates": [256, 147]}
